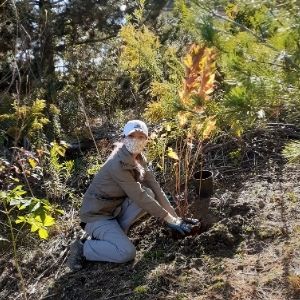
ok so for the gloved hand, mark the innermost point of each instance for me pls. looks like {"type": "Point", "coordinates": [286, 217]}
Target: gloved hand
{"type": "Point", "coordinates": [191, 221]}
{"type": "Point", "coordinates": [177, 224]}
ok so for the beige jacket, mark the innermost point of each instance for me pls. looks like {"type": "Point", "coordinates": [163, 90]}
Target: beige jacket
{"type": "Point", "coordinates": [117, 179]}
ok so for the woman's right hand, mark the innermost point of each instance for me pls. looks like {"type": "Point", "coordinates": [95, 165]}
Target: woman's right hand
{"type": "Point", "coordinates": [177, 224]}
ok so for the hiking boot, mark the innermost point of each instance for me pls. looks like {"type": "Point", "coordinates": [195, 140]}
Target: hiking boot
{"type": "Point", "coordinates": [75, 259]}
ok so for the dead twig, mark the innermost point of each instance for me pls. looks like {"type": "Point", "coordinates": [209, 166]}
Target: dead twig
{"type": "Point", "coordinates": [282, 124]}
{"type": "Point", "coordinates": [48, 296]}
{"type": "Point", "coordinates": [119, 295]}
{"type": "Point", "coordinates": [49, 268]}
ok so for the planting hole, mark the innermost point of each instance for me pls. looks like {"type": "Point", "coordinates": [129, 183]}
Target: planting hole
{"type": "Point", "coordinates": [202, 175]}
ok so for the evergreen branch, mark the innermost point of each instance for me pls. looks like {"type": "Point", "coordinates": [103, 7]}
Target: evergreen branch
{"type": "Point", "coordinates": [267, 63]}
{"type": "Point", "coordinates": [213, 13]}
{"type": "Point", "coordinates": [62, 48]}
{"type": "Point", "coordinates": [91, 41]}
{"type": "Point", "coordinates": [244, 27]}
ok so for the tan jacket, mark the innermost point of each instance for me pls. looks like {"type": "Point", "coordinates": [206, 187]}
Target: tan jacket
{"type": "Point", "coordinates": [118, 179]}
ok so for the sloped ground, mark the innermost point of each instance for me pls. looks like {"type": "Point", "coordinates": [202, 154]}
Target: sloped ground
{"type": "Point", "coordinates": [250, 249]}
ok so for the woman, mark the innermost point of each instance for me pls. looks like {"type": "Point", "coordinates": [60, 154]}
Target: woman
{"type": "Point", "coordinates": [122, 191]}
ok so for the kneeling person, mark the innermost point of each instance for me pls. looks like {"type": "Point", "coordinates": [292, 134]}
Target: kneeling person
{"type": "Point", "coordinates": [122, 191]}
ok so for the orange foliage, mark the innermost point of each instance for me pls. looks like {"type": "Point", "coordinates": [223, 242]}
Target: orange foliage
{"type": "Point", "coordinates": [198, 86]}
{"type": "Point", "coordinates": [199, 74]}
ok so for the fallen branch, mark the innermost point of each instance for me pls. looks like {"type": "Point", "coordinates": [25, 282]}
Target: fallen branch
{"type": "Point", "coordinates": [283, 124]}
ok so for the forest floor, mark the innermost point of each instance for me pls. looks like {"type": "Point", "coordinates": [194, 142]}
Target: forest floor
{"type": "Point", "coordinates": [250, 249]}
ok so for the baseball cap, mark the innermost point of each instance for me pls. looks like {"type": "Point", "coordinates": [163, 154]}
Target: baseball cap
{"type": "Point", "coordinates": [135, 125]}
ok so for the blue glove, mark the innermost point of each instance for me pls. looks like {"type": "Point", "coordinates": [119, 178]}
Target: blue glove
{"type": "Point", "coordinates": [182, 227]}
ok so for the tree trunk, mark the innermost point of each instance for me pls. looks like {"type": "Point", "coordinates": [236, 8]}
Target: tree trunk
{"type": "Point", "coordinates": [47, 67]}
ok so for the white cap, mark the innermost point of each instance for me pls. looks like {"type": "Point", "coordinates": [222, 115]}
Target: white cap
{"type": "Point", "coordinates": [135, 125]}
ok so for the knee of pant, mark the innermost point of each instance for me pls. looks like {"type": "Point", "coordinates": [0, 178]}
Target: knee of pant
{"type": "Point", "coordinates": [127, 254]}
{"type": "Point", "coordinates": [149, 192]}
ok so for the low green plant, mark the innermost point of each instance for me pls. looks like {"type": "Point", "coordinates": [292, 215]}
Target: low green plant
{"type": "Point", "coordinates": [291, 152]}
{"type": "Point", "coordinates": [25, 120]}
{"type": "Point", "coordinates": [248, 229]}
{"type": "Point", "coordinates": [21, 209]}
{"type": "Point", "coordinates": [37, 213]}
{"type": "Point", "coordinates": [154, 255]}
{"type": "Point", "coordinates": [217, 284]}
{"type": "Point", "coordinates": [265, 232]}
{"type": "Point", "coordinates": [236, 156]}
{"type": "Point", "coordinates": [141, 289]}
{"type": "Point", "coordinates": [181, 297]}
{"type": "Point", "coordinates": [59, 172]}
{"type": "Point", "coordinates": [292, 197]}
{"type": "Point", "coordinates": [93, 169]}
{"type": "Point", "coordinates": [158, 148]}
{"type": "Point", "coordinates": [93, 164]}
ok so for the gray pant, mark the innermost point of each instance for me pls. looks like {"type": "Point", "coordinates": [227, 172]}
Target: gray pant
{"type": "Point", "coordinates": [110, 242]}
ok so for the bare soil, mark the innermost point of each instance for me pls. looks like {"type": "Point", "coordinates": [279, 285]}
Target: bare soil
{"type": "Point", "coordinates": [248, 249]}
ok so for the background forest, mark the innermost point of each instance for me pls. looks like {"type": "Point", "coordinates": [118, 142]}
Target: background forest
{"type": "Point", "coordinates": [205, 75]}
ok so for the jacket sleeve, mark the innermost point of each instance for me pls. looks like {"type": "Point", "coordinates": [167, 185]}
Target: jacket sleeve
{"type": "Point", "coordinates": [134, 191]}
{"type": "Point", "coordinates": [150, 181]}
